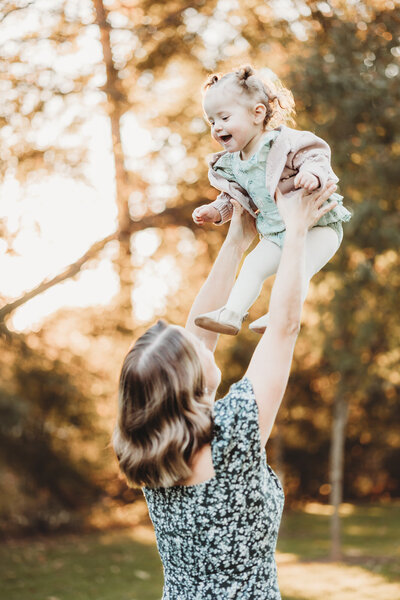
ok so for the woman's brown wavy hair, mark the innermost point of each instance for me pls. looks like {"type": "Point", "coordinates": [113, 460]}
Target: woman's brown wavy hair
{"type": "Point", "coordinates": [162, 416]}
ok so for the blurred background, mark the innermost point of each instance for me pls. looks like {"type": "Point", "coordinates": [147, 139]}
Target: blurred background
{"type": "Point", "coordinates": [103, 148]}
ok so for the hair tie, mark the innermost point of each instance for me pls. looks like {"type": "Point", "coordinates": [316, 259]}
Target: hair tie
{"type": "Point", "coordinates": [243, 74]}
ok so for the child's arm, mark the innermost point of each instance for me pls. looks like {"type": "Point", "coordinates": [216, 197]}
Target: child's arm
{"type": "Point", "coordinates": [206, 214]}
{"type": "Point", "coordinates": [306, 180]}
{"type": "Point", "coordinates": [218, 212]}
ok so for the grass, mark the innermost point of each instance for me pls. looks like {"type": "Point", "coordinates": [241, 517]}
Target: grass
{"type": "Point", "coordinates": [370, 536]}
{"type": "Point", "coordinates": [124, 564]}
{"type": "Point", "coordinates": [110, 566]}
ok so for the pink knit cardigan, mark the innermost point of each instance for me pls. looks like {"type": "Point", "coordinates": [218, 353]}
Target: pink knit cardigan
{"type": "Point", "coordinates": [292, 151]}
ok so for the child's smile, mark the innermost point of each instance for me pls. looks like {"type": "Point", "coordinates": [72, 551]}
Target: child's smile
{"type": "Point", "coordinates": [233, 123]}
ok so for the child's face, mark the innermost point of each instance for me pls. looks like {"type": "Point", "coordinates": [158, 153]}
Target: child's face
{"type": "Point", "coordinates": [232, 121]}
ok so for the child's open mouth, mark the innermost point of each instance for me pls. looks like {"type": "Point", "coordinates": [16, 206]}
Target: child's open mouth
{"type": "Point", "coordinates": [226, 138]}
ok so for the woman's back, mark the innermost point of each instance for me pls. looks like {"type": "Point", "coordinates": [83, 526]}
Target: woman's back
{"type": "Point", "coordinates": [217, 538]}
{"type": "Point", "coordinates": [202, 467]}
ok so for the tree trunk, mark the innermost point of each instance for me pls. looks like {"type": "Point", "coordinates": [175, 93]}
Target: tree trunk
{"type": "Point", "coordinates": [175, 215]}
{"type": "Point", "coordinates": [116, 108]}
{"type": "Point", "coordinates": [340, 412]}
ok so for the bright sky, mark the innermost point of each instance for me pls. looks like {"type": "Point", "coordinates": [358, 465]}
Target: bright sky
{"type": "Point", "coordinates": [58, 219]}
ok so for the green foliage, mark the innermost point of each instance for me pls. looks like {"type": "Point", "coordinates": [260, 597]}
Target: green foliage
{"type": "Point", "coordinates": [345, 81]}
{"type": "Point", "coordinates": [346, 87]}
{"type": "Point", "coordinates": [46, 424]}
{"type": "Point", "coordinates": [41, 107]}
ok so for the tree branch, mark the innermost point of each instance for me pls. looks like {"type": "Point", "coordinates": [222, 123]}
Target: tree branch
{"type": "Point", "coordinates": [70, 271]}
{"type": "Point", "coordinates": [177, 215]}
{"type": "Point", "coordinates": [13, 10]}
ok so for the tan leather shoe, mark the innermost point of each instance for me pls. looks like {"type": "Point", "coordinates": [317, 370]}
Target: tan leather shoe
{"type": "Point", "coordinates": [222, 320]}
{"type": "Point", "coordinates": [260, 325]}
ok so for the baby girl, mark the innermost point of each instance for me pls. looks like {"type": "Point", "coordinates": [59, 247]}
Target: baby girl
{"type": "Point", "coordinates": [256, 160]}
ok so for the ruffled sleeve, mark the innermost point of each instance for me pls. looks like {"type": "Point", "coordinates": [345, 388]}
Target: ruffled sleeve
{"type": "Point", "coordinates": [223, 166]}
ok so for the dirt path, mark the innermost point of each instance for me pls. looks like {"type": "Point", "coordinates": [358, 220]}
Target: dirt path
{"type": "Point", "coordinates": [331, 581]}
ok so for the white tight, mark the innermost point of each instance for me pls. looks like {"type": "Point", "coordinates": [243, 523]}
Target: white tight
{"type": "Point", "coordinates": [263, 261]}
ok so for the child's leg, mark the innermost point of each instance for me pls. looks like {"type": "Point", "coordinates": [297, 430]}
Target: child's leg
{"type": "Point", "coordinates": [321, 244]}
{"type": "Point", "coordinates": [262, 262]}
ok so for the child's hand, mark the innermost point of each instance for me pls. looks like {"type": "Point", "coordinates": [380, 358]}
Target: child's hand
{"type": "Point", "coordinates": [206, 214]}
{"type": "Point", "coordinates": [306, 180]}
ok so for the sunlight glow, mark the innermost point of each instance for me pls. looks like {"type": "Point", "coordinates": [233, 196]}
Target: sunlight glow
{"type": "Point", "coordinates": [57, 220]}
{"type": "Point", "coordinates": [93, 287]}
{"type": "Point", "coordinates": [154, 282]}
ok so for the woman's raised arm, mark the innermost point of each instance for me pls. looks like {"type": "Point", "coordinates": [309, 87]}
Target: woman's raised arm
{"type": "Point", "coordinates": [216, 289]}
{"type": "Point", "coordinates": [270, 365]}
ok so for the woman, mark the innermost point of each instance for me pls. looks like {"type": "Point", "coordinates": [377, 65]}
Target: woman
{"type": "Point", "coordinates": [214, 502]}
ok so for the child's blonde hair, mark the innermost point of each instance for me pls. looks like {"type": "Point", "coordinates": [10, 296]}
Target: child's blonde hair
{"type": "Point", "coordinates": [279, 104]}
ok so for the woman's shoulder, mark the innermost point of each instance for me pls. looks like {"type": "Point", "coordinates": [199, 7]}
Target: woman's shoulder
{"type": "Point", "coordinates": [236, 428]}
{"type": "Point", "coordinates": [237, 405]}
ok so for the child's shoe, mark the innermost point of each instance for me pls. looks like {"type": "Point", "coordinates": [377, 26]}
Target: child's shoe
{"type": "Point", "coordinates": [260, 325]}
{"type": "Point", "coordinates": [222, 320]}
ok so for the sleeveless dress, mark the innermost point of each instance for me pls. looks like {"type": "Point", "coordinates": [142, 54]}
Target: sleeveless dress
{"type": "Point", "coordinates": [217, 539]}
{"type": "Point", "coordinates": [250, 174]}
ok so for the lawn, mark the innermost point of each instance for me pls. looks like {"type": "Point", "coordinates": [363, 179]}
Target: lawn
{"type": "Point", "coordinates": [108, 566]}
{"type": "Point", "coordinates": [371, 536]}
{"type": "Point", "coordinates": [124, 564]}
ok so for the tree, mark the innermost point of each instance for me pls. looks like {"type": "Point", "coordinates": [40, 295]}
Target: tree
{"type": "Point", "coordinates": [155, 32]}
{"type": "Point", "coordinates": [347, 83]}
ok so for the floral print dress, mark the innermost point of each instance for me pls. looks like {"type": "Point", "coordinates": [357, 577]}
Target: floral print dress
{"type": "Point", "coordinates": [217, 539]}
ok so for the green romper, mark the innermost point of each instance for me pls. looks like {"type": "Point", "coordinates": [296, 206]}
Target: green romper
{"type": "Point", "coordinates": [250, 175]}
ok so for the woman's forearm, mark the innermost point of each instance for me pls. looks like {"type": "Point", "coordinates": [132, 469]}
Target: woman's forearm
{"type": "Point", "coordinates": [287, 293]}
{"type": "Point", "coordinates": [270, 365]}
{"type": "Point", "coordinates": [216, 289]}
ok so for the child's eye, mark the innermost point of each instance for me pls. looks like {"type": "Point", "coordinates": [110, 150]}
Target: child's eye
{"type": "Point", "coordinates": [225, 118]}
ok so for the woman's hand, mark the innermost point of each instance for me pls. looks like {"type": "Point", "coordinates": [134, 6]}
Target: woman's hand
{"type": "Point", "coordinates": [242, 228]}
{"type": "Point", "coordinates": [302, 210]}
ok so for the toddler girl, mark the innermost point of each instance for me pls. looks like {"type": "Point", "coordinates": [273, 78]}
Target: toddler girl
{"type": "Point", "coordinates": [255, 162]}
